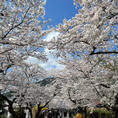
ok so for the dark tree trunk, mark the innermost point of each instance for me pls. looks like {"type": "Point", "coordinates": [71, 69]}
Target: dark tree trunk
{"type": "Point", "coordinates": [85, 111]}
{"type": "Point", "coordinates": [38, 114]}
{"type": "Point", "coordinates": [30, 111]}
{"type": "Point", "coordinates": [29, 107]}
{"type": "Point", "coordinates": [116, 106]}
{"type": "Point", "coordinates": [10, 107]}
{"type": "Point", "coordinates": [11, 110]}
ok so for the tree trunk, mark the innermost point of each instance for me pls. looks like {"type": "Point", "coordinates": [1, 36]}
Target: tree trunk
{"type": "Point", "coordinates": [30, 111]}
{"type": "Point", "coordinates": [85, 111]}
{"type": "Point", "coordinates": [116, 106]}
{"type": "Point", "coordinates": [10, 107]}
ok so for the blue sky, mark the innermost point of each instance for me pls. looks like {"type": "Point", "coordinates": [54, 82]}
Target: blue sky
{"type": "Point", "coordinates": [57, 10]}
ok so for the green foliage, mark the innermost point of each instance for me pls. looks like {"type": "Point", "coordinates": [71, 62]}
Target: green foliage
{"type": "Point", "coordinates": [3, 116]}
{"type": "Point", "coordinates": [100, 113]}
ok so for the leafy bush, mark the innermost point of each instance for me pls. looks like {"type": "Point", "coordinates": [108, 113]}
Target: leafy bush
{"type": "Point", "coordinates": [100, 113]}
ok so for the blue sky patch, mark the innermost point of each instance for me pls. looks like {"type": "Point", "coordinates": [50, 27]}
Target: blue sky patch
{"type": "Point", "coordinates": [57, 10]}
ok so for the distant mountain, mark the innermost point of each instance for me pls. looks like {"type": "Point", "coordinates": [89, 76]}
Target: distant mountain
{"type": "Point", "coordinates": [45, 81]}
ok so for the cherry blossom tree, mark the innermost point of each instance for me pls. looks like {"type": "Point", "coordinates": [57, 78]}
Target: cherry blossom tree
{"type": "Point", "coordinates": [92, 31]}
{"type": "Point", "coordinates": [25, 91]}
{"type": "Point", "coordinates": [87, 45]}
{"type": "Point", "coordinates": [21, 34]}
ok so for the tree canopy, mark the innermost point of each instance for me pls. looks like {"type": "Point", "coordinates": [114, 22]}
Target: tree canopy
{"type": "Point", "coordinates": [87, 45]}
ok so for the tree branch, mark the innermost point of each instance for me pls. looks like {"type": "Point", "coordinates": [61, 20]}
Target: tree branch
{"type": "Point", "coordinates": [5, 98]}
{"type": "Point", "coordinates": [104, 85]}
{"type": "Point", "coordinates": [12, 43]}
{"type": "Point", "coordinates": [74, 101]}
{"type": "Point", "coordinates": [100, 52]}
{"type": "Point", "coordinates": [112, 15]}
{"type": "Point", "coordinates": [13, 27]}
{"type": "Point", "coordinates": [7, 50]}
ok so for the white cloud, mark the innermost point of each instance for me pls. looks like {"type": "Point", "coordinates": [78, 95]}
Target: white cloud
{"type": "Point", "coordinates": [51, 35]}
{"type": "Point", "coordinates": [52, 61]}
{"type": "Point", "coordinates": [31, 60]}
